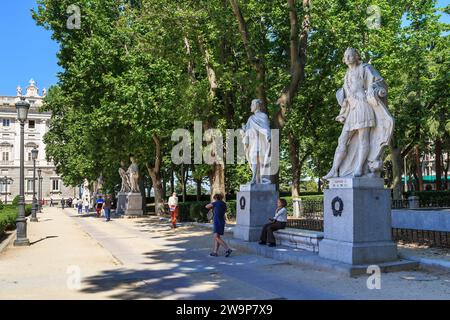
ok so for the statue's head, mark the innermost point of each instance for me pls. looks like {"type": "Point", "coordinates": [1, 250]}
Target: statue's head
{"type": "Point", "coordinates": [132, 158]}
{"type": "Point", "coordinates": [257, 105]}
{"type": "Point", "coordinates": [351, 56]}
{"type": "Point", "coordinates": [122, 163]}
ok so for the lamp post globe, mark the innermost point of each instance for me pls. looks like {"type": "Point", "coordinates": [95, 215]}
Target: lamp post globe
{"type": "Point", "coordinates": [34, 155]}
{"type": "Point", "coordinates": [22, 108]}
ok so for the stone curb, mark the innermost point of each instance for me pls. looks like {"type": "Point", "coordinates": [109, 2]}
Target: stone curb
{"type": "Point", "coordinates": [427, 262]}
{"type": "Point", "coordinates": [5, 243]}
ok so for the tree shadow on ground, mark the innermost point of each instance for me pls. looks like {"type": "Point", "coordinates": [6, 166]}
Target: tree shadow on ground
{"type": "Point", "coordinates": [42, 239]}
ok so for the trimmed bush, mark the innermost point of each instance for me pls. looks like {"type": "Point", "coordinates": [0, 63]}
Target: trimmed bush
{"type": "Point", "coordinates": [15, 201]}
{"type": "Point", "coordinates": [198, 212]}
{"type": "Point", "coordinates": [231, 210]}
{"type": "Point", "coordinates": [183, 211]}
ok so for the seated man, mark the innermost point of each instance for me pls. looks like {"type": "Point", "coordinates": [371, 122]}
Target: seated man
{"type": "Point", "coordinates": [276, 223]}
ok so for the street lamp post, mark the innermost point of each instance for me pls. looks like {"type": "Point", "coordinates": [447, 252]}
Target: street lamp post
{"type": "Point", "coordinates": [40, 189]}
{"type": "Point", "coordinates": [22, 108]}
{"type": "Point", "coordinates": [34, 155]}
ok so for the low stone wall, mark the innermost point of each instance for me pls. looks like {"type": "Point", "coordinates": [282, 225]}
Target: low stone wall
{"type": "Point", "coordinates": [422, 219]}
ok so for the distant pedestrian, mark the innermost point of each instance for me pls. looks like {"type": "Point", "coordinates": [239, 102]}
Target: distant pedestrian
{"type": "Point", "coordinates": [51, 202]}
{"type": "Point", "coordinates": [86, 205]}
{"type": "Point", "coordinates": [99, 205]}
{"type": "Point", "coordinates": [79, 205]}
{"type": "Point", "coordinates": [219, 208]}
{"type": "Point", "coordinates": [107, 207]}
{"type": "Point", "coordinates": [173, 207]}
{"type": "Point", "coordinates": [276, 223]}
{"type": "Point", "coordinates": [63, 203]}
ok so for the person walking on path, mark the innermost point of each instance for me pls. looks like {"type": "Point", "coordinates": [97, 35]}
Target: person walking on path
{"type": "Point", "coordinates": [86, 205]}
{"type": "Point", "coordinates": [80, 206]}
{"type": "Point", "coordinates": [107, 208]}
{"type": "Point", "coordinates": [219, 208]}
{"type": "Point", "coordinates": [173, 207]}
{"type": "Point", "coordinates": [63, 203]}
{"type": "Point", "coordinates": [276, 223]}
{"type": "Point", "coordinates": [51, 202]}
{"type": "Point", "coordinates": [99, 205]}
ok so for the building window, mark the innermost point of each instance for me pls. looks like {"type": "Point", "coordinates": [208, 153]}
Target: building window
{"type": "Point", "coordinates": [5, 156]}
{"type": "Point", "coordinates": [29, 185]}
{"type": "Point", "coordinates": [30, 158]}
{"type": "Point", "coordinates": [31, 124]}
{"type": "Point", "coordinates": [6, 122]}
{"type": "Point", "coordinates": [55, 185]}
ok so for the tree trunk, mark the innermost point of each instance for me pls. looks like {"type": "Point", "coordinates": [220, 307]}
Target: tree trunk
{"type": "Point", "coordinates": [172, 182]}
{"type": "Point", "coordinates": [418, 168]}
{"type": "Point", "coordinates": [447, 166]}
{"type": "Point", "coordinates": [396, 171]}
{"type": "Point", "coordinates": [295, 162]}
{"type": "Point", "coordinates": [438, 163]}
{"type": "Point", "coordinates": [199, 188]}
{"type": "Point", "coordinates": [155, 174]}
{"type": "Point", "coordinates": [217, 179]}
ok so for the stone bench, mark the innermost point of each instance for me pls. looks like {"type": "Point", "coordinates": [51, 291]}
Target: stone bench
{"type": "Point", "coordinates": [299, 238]}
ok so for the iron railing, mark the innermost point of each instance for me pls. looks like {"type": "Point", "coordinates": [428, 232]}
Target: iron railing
{"type": "Point", "coordinates": [422, 237]}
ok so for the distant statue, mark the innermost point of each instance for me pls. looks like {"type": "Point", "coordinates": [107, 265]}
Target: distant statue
{"type": "Point", "coordinates": [125, 180]}
{"type": "Point", "coordinates": [368, 125]}
{"type": "Point", "coordinates": [133, 175]}
{"type": "Point", "coordinates": [44, 93]}
{"type": "Point", "coordinates": [19, 91]}
{"type": "Point", "coordinates": [257, 136]}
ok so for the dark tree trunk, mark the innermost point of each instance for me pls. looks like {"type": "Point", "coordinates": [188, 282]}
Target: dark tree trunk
{"type": "Point", "coordinates": [438, 163]}
{"type": "Point", "coordinates": [396, 171]}
{"type": "Point", "coordinates": [155, 174]}
{"type": "Point", "coordinates": [217, 180]}
{"type": "Point", "coordinates": [172, 181]}
{"type": "Point", "coordinates": [295, 162]}
{"type": "Point", "coordinates": [418, 168]}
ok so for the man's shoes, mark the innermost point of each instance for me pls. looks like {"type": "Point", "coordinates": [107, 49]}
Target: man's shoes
{"type": "Point", "coordinates": [263, 243]}
{"type": "Point", "coordinates": [228, 252]}
{"type": "Point", "coordinates": [272, 244]}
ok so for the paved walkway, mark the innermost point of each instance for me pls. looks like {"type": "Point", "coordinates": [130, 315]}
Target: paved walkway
{"type": "Point", "coordinates": [143, 258]}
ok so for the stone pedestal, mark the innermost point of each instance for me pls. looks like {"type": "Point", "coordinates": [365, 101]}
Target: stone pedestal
{"type": "Point", "coordinates": [357, 222]}
{"type": "Point", "coordinates": [255, 205]}
{"type": "Point", "coordinates": [133, 206]}
{"type": "Point", "coordinates": [121, 202]}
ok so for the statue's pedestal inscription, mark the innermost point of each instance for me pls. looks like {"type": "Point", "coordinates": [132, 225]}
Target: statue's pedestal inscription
{"type": "Point", "coordinates": [256, 203]}
{"type": "Point", "coordinates": [357, 222]}
{"type": "Point", "coordinates": [133, 205]}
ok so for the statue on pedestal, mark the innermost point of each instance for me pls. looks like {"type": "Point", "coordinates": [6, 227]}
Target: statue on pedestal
{"type": "Point", "coordinates": [19, 91]}
{"type": "Point", "coordinates": [257, 136]}
{"type": "Point", "coordinates": [368, 125]}
{"type": "Point", "coordinates": [133, 175]}
{"type": "Point", "coordinates": [125, 181]}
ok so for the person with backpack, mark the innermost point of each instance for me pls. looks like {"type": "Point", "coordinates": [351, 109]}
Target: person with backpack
{"type": "Point", "coordinates": [99, 205]}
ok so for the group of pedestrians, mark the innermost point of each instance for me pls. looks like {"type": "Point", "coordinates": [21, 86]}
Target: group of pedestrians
{"type": "Point", "coordinates": [219, 208]}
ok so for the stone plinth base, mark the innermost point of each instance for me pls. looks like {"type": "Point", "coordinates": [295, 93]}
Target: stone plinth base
{"type": "Point", "coordinates": [357, 222]}
{"type": "Point", "coordinates": [121, 202]}
{"type": "Point", "coordinates": [255, 205]}
{"type": "Point", "coordinates": [133, 205]}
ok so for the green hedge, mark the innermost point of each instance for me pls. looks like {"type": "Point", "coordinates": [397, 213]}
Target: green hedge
{"type": "Point", "coordinates": [8, 216]}
{"type": "Point", "coordinates": [198, 212]}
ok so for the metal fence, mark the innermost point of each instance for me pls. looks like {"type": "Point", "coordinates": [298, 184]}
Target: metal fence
{"type": "Point", "coordinates": [422, 237]}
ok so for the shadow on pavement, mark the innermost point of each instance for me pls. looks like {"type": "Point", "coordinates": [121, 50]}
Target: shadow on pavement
{"type": "Point", "coordinates": [42, 239]}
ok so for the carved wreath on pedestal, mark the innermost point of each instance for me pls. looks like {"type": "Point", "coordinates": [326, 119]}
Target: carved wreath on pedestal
{"type": "Point", "coordinates": [337, 210]}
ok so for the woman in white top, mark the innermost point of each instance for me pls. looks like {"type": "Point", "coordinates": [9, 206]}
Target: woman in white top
{"type": "Point", "coordinates": [276, 223]}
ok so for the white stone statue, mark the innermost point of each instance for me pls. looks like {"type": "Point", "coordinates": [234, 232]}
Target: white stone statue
{"type": "Point", "coordinates": [368, 125]}
{"type": "Point", "coordinates": [133, 176]}
{"type": "Point", "coordinates": [125, 180]}
{"type": "Point", "coordinates": [19, 91]}
{"type": "Point", "coordinates": [257, 136]}
{"type": "Point", "coordinates": [44, 93]}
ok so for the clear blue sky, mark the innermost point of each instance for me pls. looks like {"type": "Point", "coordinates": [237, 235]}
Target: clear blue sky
{"type": "Point", "coordinates": [27, 50]}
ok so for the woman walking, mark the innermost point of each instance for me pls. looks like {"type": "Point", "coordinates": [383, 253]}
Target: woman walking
{"type": "Point", "coordinates": [219, 208]}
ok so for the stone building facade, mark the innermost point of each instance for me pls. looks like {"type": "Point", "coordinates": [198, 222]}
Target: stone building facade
{"type": "Point", "coordinates": [36, 126]}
